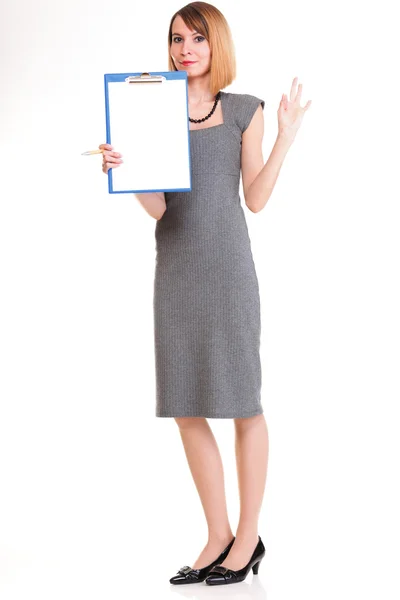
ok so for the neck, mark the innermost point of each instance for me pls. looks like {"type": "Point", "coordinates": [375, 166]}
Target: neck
{"type": "Point", "coordinates": [199, 90]}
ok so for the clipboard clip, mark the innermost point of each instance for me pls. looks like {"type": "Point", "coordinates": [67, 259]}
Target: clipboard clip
{"type": "Point", "coordinates": [145, 78]}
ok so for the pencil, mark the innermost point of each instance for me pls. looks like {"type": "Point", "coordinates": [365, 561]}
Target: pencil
{"type": "Point", "coordinates": [91, 152]}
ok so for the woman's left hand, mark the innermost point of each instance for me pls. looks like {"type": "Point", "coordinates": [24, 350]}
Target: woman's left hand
{"type": "Point", "coordinates": [290, 113]}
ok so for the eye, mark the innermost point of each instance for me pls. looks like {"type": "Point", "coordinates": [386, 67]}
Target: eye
{"type": "Point", "coordinates": [196, 38]}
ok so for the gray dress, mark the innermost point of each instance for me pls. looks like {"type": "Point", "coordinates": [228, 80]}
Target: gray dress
{"type": "Point", "coordinates": [206, 295]}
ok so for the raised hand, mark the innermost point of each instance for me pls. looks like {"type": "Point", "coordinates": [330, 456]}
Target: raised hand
{"type": "Point", "coordinates": [290, 113]}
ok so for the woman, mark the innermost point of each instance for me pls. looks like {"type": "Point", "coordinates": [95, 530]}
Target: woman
{"type": "Point", "coordinates": [206, 295]}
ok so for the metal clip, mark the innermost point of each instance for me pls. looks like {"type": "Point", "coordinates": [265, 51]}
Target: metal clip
{"type": "Point", "coordinates": [145, 78]}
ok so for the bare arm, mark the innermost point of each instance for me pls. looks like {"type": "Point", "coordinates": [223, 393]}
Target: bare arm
{"type": "Point", "coordinates": [259, 179]}
{"type": "Point", "coordinates": [153, 203]}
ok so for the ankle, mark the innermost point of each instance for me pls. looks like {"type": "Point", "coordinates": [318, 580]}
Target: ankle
{"type": "Point", "coordinates": [247, 534]}
{"type": "Point", "coordinates": [220, 539]}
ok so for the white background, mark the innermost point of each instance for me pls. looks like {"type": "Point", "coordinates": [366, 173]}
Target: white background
{"type": "Point", "coordinates": [96, 495]}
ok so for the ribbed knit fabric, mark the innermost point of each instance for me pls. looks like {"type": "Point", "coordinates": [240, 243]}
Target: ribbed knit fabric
{"type": "Point", "coordinates": [206, 295]}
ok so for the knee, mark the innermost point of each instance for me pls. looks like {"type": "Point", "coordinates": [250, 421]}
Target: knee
{"type": "Point", "coordinates": [246, 423]}
{"type": "Point", "coordinates": [189, 422]}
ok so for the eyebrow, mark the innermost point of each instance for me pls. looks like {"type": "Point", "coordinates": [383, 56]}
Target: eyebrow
{"type": "Point", "coordinates": [180, 34]}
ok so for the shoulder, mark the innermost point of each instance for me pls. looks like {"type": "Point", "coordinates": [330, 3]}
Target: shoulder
{"type": "Point", "coordinates": [243, 107]}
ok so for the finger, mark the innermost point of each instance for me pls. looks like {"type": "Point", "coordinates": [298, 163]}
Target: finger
{"type": "Point", "coordinates": [298, 95]}
{"type": "Point", "coordinates": [105, 147]}
{"type": "Point", "coordinates": [110, 165]}
{"type": "Point", "coordinates": [293, 89]}
{"type": "Point", "coordinates": [107, 153]}
{"type": "Point", "coordinates": [113, 157]}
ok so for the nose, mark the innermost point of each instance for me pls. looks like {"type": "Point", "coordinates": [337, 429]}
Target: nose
{"type": "Point", "coordinates": [185, 48]}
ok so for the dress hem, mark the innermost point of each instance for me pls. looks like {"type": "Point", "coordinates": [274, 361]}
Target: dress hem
{"type": "Point", "coordinates": [212, 416]}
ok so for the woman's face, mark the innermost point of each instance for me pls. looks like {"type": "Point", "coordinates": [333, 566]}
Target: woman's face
{"type": "Point", "coordinates": [188, 45]}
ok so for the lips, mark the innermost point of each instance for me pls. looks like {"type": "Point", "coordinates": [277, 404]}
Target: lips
{"type": "Point", "coordinates": [188, 62]}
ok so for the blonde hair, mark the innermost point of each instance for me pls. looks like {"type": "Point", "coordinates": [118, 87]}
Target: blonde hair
{"type": "Point", "coordinates": [210, 23]}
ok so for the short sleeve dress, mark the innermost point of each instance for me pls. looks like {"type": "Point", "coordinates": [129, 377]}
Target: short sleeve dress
{"type": "Point", "coordinates": [206, 295]}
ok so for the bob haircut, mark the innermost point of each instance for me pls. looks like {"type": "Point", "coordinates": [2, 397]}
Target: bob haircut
{"type": "Point", "coordinates": [210, 23]}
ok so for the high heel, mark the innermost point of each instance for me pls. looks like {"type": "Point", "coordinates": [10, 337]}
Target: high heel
{"type": "Point", "coordinates": [219, 575]}
{"type": "Point", "coordinates": [188, 575]}
{"type": "Point", "coordinates": [255, 567]}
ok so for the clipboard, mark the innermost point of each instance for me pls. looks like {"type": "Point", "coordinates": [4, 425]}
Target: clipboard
{"type": "Point", "coordinates": [147, 121]}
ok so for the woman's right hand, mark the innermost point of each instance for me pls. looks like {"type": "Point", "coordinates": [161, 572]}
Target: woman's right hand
{"type": "Point", "coordinates": [110, 159]}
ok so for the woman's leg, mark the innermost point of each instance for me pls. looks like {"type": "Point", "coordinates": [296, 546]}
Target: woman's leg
{"type": "Point", "coordinates": [251, 447]}
{"type": "Point", "coordinates": [206, 467]}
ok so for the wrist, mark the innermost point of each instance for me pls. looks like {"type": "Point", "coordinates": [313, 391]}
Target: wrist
{"type": "Point", "coordinates": [284, 136]}
{"type": "Point", "coordinates": [284, 140]}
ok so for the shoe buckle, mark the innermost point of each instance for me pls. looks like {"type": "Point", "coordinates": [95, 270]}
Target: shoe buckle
{"type": "Point", "coordinates": [185, 570]}
{"type": "Point", "coordinates": [220, 569]}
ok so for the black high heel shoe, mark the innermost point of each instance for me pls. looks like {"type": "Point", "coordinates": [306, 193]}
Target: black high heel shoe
{"type": "Point", "coordinates": [188, 575]}
{"type": "Point", "coordinates": [219, 575]}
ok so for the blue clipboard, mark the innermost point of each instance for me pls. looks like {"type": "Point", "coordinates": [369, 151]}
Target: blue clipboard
{"type": "Point", "coordinates": [176, 140]}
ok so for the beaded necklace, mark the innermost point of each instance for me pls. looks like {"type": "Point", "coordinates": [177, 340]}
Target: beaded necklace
{"type": "Point", "coordinates": [217, 97]}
